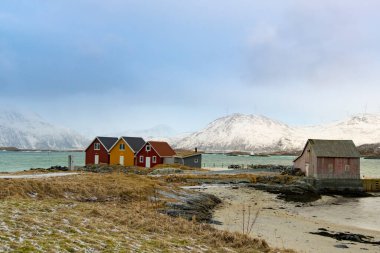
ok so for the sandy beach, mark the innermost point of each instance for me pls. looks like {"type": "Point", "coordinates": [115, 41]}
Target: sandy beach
{"type": "Point", "coordinates": [288, 225]}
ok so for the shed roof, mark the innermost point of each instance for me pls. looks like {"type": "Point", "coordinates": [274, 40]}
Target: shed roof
{"type": "Point", "coordinates": [184, 153]}
{"type": "Point", "coordinates": [107, 142]}
{"type": "Point", "coordinates": [162, 148]}
{"type": "Point", "coordinates": [332, 148]}
{"type": "Point", "coordinates": [135, 143]}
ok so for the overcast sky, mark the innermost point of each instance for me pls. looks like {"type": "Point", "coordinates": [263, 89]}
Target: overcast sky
{"type": "Point", "coordinates": [104, 66]}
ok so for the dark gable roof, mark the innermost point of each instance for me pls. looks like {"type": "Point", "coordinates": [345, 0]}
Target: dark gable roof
{"type": "Point", "coordinates": [162, 148]}
{"type": "Point", "coordinates": [136, 143]}
{"type": "Point", "coordinates": [334, 148]}
{"type": "Point", "coordinates": [107, 142]}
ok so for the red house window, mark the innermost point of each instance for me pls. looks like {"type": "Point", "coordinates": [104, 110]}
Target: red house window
{"type": "Point", "coordinates": [141, 159]}
{"type": "Point", "coordinates": [154, 159]}
{"type": "Point", "coordinates": [97, 146]}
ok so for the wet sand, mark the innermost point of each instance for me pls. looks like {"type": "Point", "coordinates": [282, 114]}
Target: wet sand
{"type": "Point", "coordinates": [288, 225]}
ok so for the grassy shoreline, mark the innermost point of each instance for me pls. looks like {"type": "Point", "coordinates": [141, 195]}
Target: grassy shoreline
{"type": "Point", "coordinates": [111, 212]}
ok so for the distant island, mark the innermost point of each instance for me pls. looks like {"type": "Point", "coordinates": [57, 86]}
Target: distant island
{"type": "Point", "coordinates": [42, 150]}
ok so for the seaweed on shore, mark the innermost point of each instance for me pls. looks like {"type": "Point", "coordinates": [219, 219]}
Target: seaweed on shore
{"type": "Point", "coordinates": [346, 236]}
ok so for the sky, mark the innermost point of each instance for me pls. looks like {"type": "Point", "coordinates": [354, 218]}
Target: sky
{"type": "Point", "coordinates": [108, 66]}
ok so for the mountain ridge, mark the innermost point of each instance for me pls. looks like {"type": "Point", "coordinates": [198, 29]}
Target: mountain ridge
{"type": "Point", "coordinates": [258, 133]}
{"type": "Point", "coordinates": [29, 131]}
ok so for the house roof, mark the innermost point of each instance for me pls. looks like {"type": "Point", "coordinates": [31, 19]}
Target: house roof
{"type": "Point", "coordinates": [333, 148]}
{"type": "Point", "coordinates": [184, 153]}
{"type": "Point", "coordinates": [135, 143]}
{"type": "Point", "coordinates": [162, 148]}
{"type": "Point", "coordinates": [107, 142]}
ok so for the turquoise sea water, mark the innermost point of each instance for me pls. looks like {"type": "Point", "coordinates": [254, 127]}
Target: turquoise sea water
{"type": "Point", "coordinates": [368, 167]}
{"type": "Point", "coordinates": [17, 161]}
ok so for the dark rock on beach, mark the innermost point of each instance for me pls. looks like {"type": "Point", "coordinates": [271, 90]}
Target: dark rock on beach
{"type": "Point", "coordinates": [346, 236]}
{"type": "Point", "coordinates": [190, 205]}
{"type": "Point", "coordinates": [298, 191]}
{"type": "Point", "coordinates": [292, 171]}
{"type": "Point", "coordinates": [52, 168]}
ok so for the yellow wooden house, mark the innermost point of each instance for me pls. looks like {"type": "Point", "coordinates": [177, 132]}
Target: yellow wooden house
{"type": "Point", "coordinates": [124, 150]}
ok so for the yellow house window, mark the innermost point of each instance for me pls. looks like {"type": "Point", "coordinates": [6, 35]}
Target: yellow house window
{"type": "Point", "coordinates": [122, 146]}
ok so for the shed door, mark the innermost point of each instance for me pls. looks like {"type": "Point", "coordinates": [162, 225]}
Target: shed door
{"type": "Point", "coordinates": [147, 162]}
{"type": "Point", "coordinates": [121, 161]}
{"type": "Point", "coordinates": [96, 159]}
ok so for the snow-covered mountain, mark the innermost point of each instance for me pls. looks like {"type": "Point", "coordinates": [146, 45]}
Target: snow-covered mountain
{"type": "Point", "coordinates": [240, 132]}
{"type": "Point", "coordinates": [30, 131]}
{"type": "Point", "coordinates": [261, 134]}
{"type": "Point", "coordinates": [362, 129]}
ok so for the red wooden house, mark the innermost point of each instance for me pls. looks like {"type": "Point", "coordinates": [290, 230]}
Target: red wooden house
{"type": "Point", "coordinates": [329, 159]}
{"type": "Point", "coordinates": [153, 153]}
{"type": "Point", "coordinates": [99, 150]}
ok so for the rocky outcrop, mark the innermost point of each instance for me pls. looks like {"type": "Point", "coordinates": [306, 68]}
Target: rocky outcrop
{"type": "Point", "coordinates": [298, 191]}
{"type": "Point", "coordinates": [166, 171]}
{"type": "Point", "coordinates": [190, 205]}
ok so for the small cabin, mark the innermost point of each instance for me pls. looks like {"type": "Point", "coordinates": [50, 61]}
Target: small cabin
{"type": "Point", "coordinates": [123, 152]}
{"type": "Point", "coordinates": [188, 158]}
{"type": "Point", "coordinates": [329, 159]}
{"type": "Point", "coordinates": [98, 152]}
{"type": "Point", "coordinates": [153, 153]}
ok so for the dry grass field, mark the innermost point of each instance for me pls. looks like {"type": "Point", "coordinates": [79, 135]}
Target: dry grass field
{"type": "Point", "coordinates": [104, 212]}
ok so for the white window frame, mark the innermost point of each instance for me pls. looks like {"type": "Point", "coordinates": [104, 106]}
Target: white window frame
{"type": "Point", "coordinates": [122, 144]}
{"type": "Point", "coordinates": [141, 159]}
{"type": "Point", "coordinates": [154, 159]}
{"type": "Point", "coordinates": [148, 148]}
{"type": "Point", "coordinates": [97, 146]}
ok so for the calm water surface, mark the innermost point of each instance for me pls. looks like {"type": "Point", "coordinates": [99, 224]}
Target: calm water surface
{"type": "Point", "coordinates": [16, 161]}
{"type": "Point", "coordinates": [369, 167]}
